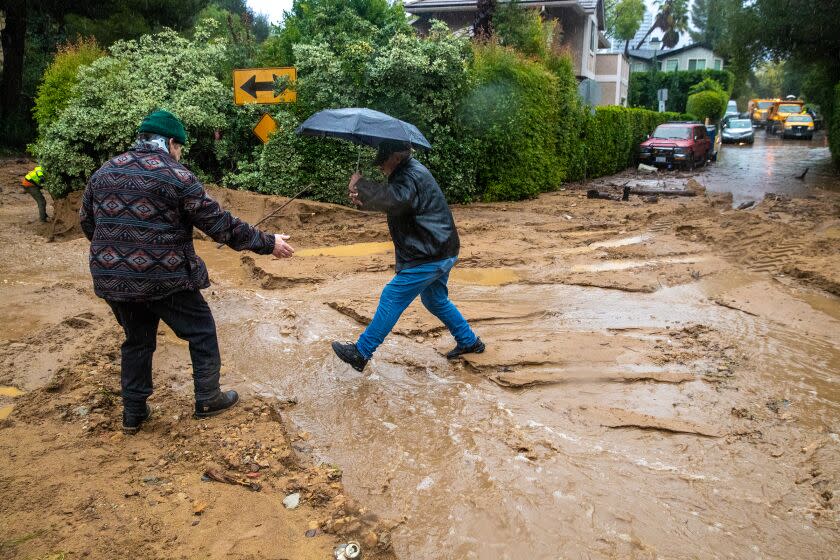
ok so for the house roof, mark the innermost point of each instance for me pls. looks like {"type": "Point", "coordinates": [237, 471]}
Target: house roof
{"type": "Point", "coordinates": [649, 55]}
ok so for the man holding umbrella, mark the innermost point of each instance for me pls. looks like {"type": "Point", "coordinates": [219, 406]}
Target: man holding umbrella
{"type": "Point", "coordinates": [426, 245]}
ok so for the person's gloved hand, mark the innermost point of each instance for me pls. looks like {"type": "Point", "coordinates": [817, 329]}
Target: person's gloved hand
{"type": "Point", "coordinates": [282, 250]}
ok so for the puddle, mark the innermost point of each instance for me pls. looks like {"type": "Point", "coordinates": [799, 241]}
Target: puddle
{"type": "Point", "coordinates": [630, 264]}
{"type": "Point", "coordinates": [10, 391]}
{"type": "Point", "coordinates": [484, 276]}
{"type": "Point", "coordinates": [770, 166]}
{"type": "Point", "coordinates": [353, 250]}
{"type": "Point", "coordinates": [5, 411]}
{"type": "Point", "coordinates": [623, 242]}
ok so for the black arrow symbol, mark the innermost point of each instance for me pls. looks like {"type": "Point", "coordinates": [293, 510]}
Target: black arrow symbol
{"type": "Point", "coordinates": [252, 86]}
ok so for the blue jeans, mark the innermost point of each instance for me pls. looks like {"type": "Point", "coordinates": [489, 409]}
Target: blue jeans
{"type": "Point", "coordinates": [429, 282]}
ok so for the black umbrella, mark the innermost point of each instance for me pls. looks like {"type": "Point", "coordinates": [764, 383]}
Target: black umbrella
{"type": "Point", "coordinates": [362, 126]}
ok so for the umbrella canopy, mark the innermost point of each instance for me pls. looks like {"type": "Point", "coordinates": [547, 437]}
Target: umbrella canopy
{"type": "Point", "coordinates": [362, 126]}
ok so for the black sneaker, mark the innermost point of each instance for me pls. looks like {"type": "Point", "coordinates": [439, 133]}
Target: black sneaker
{"type": "Point", "coordinates": [347, 352]}
{"type": "Point", "coordinates": [476, 348]}
{"type": "Point", "coordinates": [218, 404]}
{"type": "Point", "coordinates": [132, 423]}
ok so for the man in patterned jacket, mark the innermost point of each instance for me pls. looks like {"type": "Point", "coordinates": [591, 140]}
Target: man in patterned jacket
{"type": "Point", "coordinates": [138, 212]}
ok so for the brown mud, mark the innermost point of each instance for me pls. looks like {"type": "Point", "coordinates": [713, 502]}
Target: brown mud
{"type": "Point", "coordinates": [684, 353]}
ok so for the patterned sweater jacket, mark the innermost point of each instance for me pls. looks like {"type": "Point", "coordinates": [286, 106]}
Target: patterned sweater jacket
{"type": "Point", "coordinates": [138, 211]}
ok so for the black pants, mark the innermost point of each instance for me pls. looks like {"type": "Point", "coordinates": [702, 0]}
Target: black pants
{"type": "Point", "coordinates": [189, 316]}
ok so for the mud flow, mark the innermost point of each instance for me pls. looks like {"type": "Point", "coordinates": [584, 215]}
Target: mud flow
{"type": "Point", "coordinates": [659, 377]}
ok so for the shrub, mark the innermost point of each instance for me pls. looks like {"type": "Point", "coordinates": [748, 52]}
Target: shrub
{"type": "Point", "coordinates": [513, 113]}
{"type": "Point", "coordinates": [707, 104]}
{"type": "Point", "coordinates": [708, 84]}
{"type": "Point", "coordinates": [613, 135]}
{"type": "Point", "coordinates": [60, 79]}
{"type": "Point", "coordinates": [419, 80]}
{"type": "Point", "coordinates": [115, 92]}
{"type": "Point", "coordinates": [644, 85]}
{"type": "Point", "coordinates": [521, 28]}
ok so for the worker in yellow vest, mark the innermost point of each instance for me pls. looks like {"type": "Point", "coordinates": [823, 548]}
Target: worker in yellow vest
{"type": "Point", "coordinates": [32, 184]}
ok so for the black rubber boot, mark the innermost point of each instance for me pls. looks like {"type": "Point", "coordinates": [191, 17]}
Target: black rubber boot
{"type": "Point", "coordinates": [476, 348]}
{"type": "Point", "coordinates": [347, 352]}
{"type": "Point", "coordinates": [132, 423]}
{"type": "Point", "coordinates": [218, 404]}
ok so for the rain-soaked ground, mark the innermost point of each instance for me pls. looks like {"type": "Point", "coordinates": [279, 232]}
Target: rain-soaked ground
{"type": "Point", "coordinates": [772, 165]}
{"type": "Point", "coordinates": [646, 391]}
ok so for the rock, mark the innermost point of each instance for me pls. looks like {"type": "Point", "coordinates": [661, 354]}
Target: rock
{"type": "Point", "coordinates": [81, 411]}
{"type": "Point", "coordinates": [647, 168]}
{"type": "Point", "coordinates": [370, 540]}
{"type": "Point", "coordinates": [653, 199]}
{"type": "Point", "coordinates": [199, 507]}
{"type": "Point", "coordinates": [292, 500]}
{"type": "Point", "coordinates": [18, 345]}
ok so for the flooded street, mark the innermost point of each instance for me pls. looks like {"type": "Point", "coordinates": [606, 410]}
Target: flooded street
{"type": "Point", "coordinates": [771, 165]}
{"type": "Point", "coordinates": [660, 380]}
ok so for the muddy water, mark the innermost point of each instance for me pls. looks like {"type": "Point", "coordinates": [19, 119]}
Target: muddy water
{"type": "Point", "coordinates": [771, 166]}
{"type": "Point", "coordinates": [478, 471]}
{"type": "Point", "coordinates": [353, 250]}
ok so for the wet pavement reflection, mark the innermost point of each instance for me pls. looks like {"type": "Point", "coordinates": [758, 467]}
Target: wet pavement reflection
{"type": "Point", "coordinates": [771, 165]}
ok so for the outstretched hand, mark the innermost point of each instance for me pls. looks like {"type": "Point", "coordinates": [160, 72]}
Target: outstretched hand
{"type": "Point", "coordinates": [351, 189]}
{"type": "Point", "coordinates": [282, 250]}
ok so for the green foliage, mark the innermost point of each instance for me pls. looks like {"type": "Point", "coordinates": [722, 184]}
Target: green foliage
{"type": "Point", "coordinates": [644, 85]}
{"type": "Point", "coordinates": [420, 80]}
{"type": "Point", "coordinates": [834, 129]}
{"type": "Point", "coordinates": [708, 84]}
{"type": "Point", "coordinates": [625, 19]}
{"type": "Point", "coordinates": [115, 92]}
{"type": "Point", "coordinates": [707, 104]}
{"type": "Point", "coordinates": [511, 111]}
{"type": "Point", "coordinates": [522, 29]}
{"type": "Point", "coordinates": [336, 23]}
{"type": "Point", "coordinates": [60, 79]}
{"type": "Point", "coordinates": [613, 135]}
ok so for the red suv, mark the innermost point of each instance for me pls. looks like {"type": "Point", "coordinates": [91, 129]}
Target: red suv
{"type": "Point", "coordinates": [683, 144]}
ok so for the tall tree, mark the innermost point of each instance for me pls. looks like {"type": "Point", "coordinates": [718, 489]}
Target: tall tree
{"type": "Point", "coordinates": [624, 17]}
{"type": "Point", "coordinates": [672, 20]}
{"type": "Point", "coordinates": [34, 28]}
{"type": "Point", "coordinates": [13, 39]}
{"type": "Point", "coordinates": [708, 21]}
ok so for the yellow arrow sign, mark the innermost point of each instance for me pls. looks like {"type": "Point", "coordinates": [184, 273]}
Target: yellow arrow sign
{"type": "Point", "coordinates": [265, 127]}
{"type": "Point", "coordinates": [256, 85]}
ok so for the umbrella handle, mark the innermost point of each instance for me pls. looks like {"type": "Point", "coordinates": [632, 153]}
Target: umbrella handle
{"type": "Point", "coordinates": [358, 157]}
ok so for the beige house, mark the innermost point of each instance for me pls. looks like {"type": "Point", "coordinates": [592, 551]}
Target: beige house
{"type": "Point", "coordinates": [612, 72]}
{"type": "Point", "coordinates": [580, 29]}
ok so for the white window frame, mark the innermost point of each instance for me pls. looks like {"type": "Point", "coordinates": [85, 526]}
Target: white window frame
{"type": "Point", "coordinates": [718, 65]}
{"type": "Point", "coordinates": [676, 68]}
{"type": "Point", "coordinates": [697, 61]}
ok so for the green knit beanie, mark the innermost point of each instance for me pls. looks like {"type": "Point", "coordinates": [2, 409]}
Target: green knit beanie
{"type": "Point", "coordinates": [166, 124]}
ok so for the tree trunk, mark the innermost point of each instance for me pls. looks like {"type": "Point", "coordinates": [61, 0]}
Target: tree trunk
{"type": "Point", "coordinates": [483, 24]}
{"type": "Point", "coordinates": [13, 39]}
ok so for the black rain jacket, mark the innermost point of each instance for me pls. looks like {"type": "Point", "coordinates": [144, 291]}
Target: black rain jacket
{"type": "Point", "coordinates": [419, 218]}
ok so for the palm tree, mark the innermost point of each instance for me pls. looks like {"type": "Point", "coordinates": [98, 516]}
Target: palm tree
{"type": "Point", "coordinates": [672, 19]}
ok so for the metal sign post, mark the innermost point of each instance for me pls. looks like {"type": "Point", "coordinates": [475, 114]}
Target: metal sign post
{"type": "Point", "coordinates": [662, 96]}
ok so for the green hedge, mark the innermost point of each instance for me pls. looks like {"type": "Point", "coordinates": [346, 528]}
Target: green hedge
{"type": "Point", "coordinates": [707, 104]}
{"type": "Point", "coordinates": [834, 129]}
{"type": "Point", "coordinates": [644, 85]}
{"type": "Point", "coordinates": [513, 114]}
{"type": "Point", "coordinates": [613, 135]}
